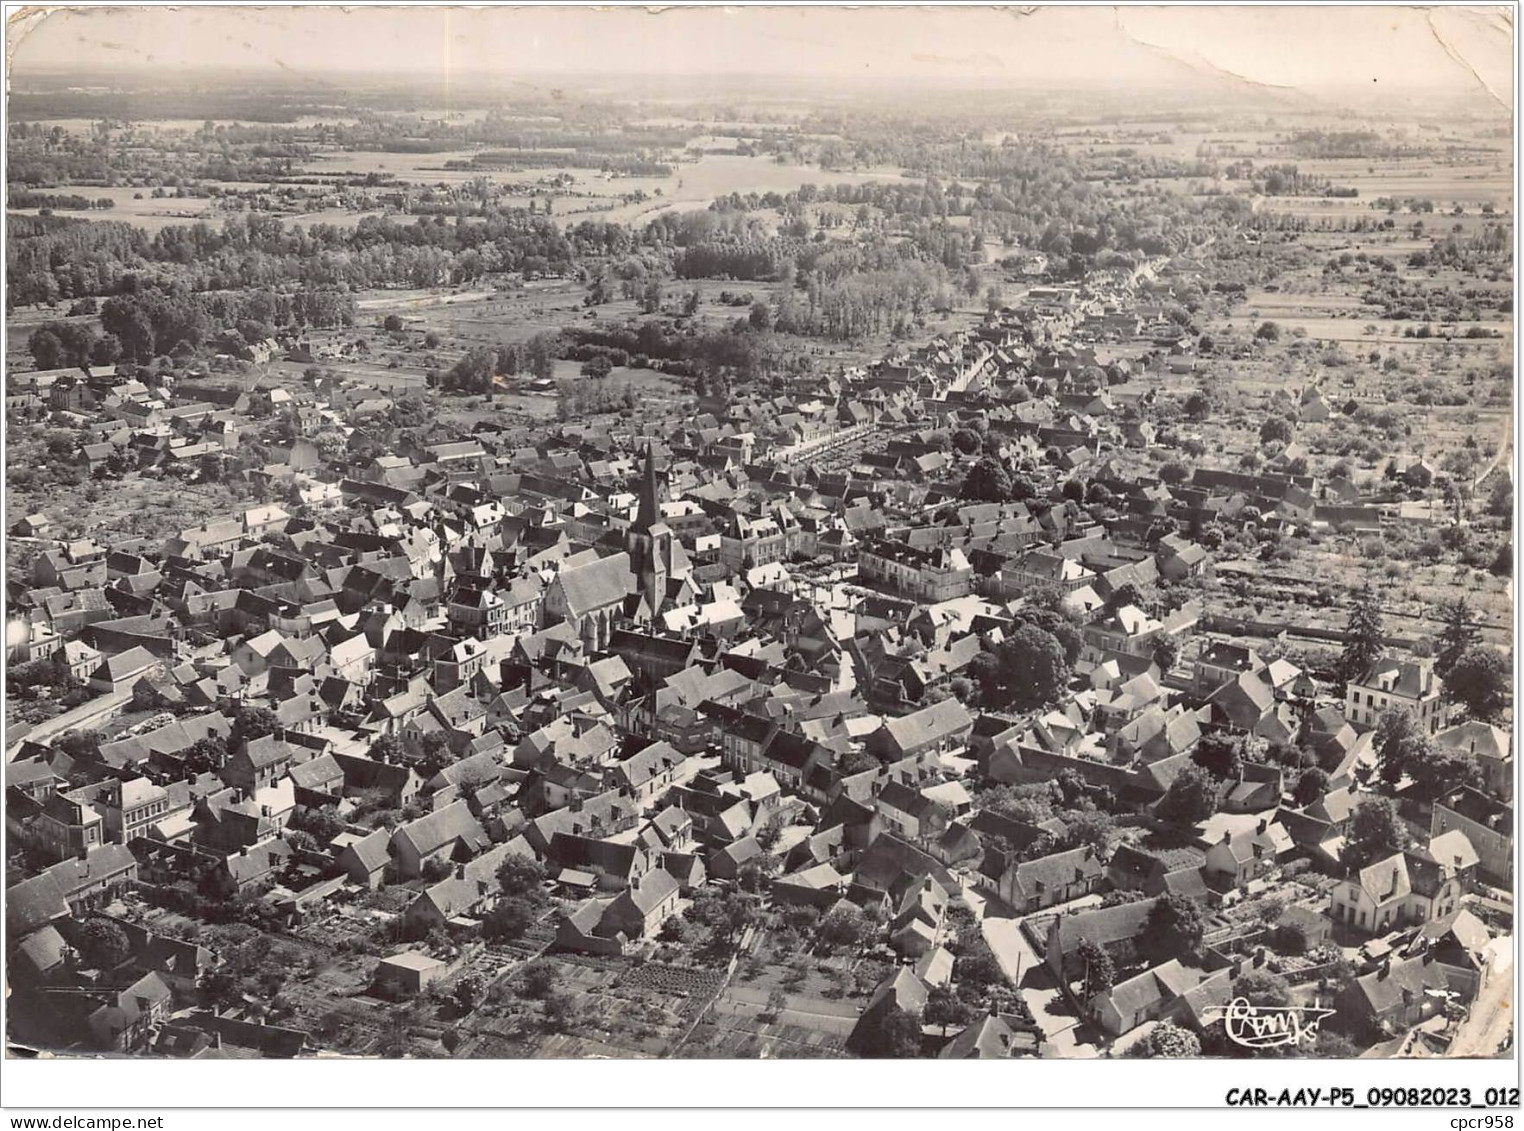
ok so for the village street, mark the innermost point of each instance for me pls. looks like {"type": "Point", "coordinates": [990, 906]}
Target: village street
{"type": "Point", "coordinates": [1491, 1016]}
{"type": "Point", "coordinates": [1038, 988]}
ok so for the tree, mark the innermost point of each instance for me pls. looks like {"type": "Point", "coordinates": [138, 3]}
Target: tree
{"type": "Point", "coordinates": [1030, 667]}
{"type": "Point", "coordinates": [46, 349]}
{"type": "Point", "coordinates": [856, 761]}
{"type": "Point", "coordinates": [845, 925]}
{"type": "Point", "coordinates": [897, 1036]}
{"type": "Point", "coordinates": [1365, 635]}
{"type": "Point", "coordinates": [539, 978]}
{"type": "Point", "coordinates": [986, 482]}
{"type": "Point", "coordinates": [557, 1011]}
{"type": "Point", "coordinates": [1262, 988]}
{"type": "Point", "coordinates": [1291, 938]}
{"type": "Point", "coordinates": [251, 722]}
{"type": "Point", "coordinates": [1458, 636]}
{"type": "Point", "coordinates": [1168, 1041]}
{"type": "Point", "coordinates": [1312, 785]}
{"type": "Point", "coordinates": [392, 324]}
{"type": "Point", "coordinates": [1276, 430]}
{"type": "Point", "coordinates": [521, 876]}
{"type": "Point", "coordinates": [1166, 653]}
{"type": "Point", "coordinates": [1091, 827]}
{"type": "Point", "coordinates": [1125, 594]}
{"type": "Point", "coordinates": [1174, 472]}
{"type": "Point", "coordinates": [597, 367]}
{"type": "Point", "coordinates": [672, 931]}
{"type": "Point", "coordinates": [1268, 332]}
{"type": "Point", "coordinates": [1405, 749]}
{"type": "Point", "coordinates": [1375, 832]}
{"type": "Point", "coordinates": [966, 440]}
{"type": "Point", "coordinates": [1191, 797]}
{"type": "Point", "coordinates": [1399, 743]}
{"type": "Point", "coordinates": [107, 350]}
{"type": "Point", "coordinates": [468, 992]}
{"type": "Point", "coordinates": [1174, 926]}
{"type": "Point", "coordinates": [1480, 682]}
{"type": "Point", "coordinates": [1220, 754]}
{"type": "Point", "coordinates": [770, 833]}
{"type": "Point", "coordinates": [103, 945]}
{"type": "Point", "coordinates": [512, 916]}
{"type": "Point", "coordinates": [386, 748]}
{"type": "Point", "coordinates": [1056, 622]}
{"type": "Point", "coordinates": [1198, 406]}
{"type": "Point", "coordinates": [1097, 972]}
{"type": "Point", "coordinates": [945, 1008]}
{"type": "Point", "coordinates": [323, 824]}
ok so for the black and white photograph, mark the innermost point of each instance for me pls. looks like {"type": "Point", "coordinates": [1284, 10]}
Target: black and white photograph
{"type": "Point", "coordinates": [761, 533]}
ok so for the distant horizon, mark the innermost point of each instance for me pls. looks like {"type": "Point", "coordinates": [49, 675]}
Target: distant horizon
{"type": "Point", "coordinates": [1285, 51]}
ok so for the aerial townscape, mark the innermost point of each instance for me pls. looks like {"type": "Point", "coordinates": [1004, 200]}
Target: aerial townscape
{"type": "Point", "coordinates": [592, 569]}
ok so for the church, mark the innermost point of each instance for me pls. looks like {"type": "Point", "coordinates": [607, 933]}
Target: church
{"type": "Point", "coordinates": [657, 558]}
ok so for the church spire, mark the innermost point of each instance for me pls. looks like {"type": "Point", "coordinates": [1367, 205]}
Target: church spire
{"type": "Point", "coordinates": [649, 514]}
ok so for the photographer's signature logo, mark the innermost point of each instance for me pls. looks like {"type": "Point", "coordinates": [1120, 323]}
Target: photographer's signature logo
{"type": "Point", "coordinates": [1270, 1026]}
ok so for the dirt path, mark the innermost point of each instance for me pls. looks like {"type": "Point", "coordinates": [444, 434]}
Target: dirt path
{"type": "Point", "coordinates": [1499, 457]}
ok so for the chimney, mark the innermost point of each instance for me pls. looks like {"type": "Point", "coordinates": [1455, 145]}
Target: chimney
{"type": "Point", "coordinates": [1386, 968]}
{"type": "Point", "coordinates": [1227, 837]}
{"type": "Point", "coordinates": [460, 871]}
{"type": "Point", "coordinates": [1264, 823]}
{"type": "Point", "coordinates": [1236, 969]}
{"type": "Point", "coordinates": [1259, 956]}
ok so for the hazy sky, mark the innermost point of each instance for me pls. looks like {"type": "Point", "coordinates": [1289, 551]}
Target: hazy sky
{"type": "Point", "coordinates": [1458, 48]}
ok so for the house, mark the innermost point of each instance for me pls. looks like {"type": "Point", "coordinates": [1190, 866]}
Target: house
{"type": "Point", "coordinates": [901, 991]}
{"type": "Point", "coordinates": [1491, 747]}
{"type": "Point", "coordinates": [936, 729]}
{"type": "Point", "coordinates": [991, 1037]}
{"type": "Point", "coordinates": [1488, 825]}
{"type": "Point", "coordinates": [907, 812]}
{"type": "Point", "coordinates": [1113, 929]}
{"type": "Point", "coordinates": [647, 772]}
{"type": "Point", "coordinates": [1035, 885]}
{"type": "Point", "coordinates": [365, 859]}
{"type": "Point", "coordinates": [726, 862]}
{"type": "Point", "coordinates": [1144, 997]}
{"type": "Point", "coordinates": [470, 889]}
{"type": "Point", "coordinates": [258, 763]}
{"type": "Point", "coordinates": [1391, 684]}
{"type": "Point", "coordinates": [607, 925]}
{"type": "Point", "coordinates": [1404, 888]}
{"type": "Point", "coordinates": [1397, 996]}
{"type": "Point", "coordinates": [408, 974]}
{"type": "Point", "coordinates": [1221, 662]}
{"type": "Point", "coordinates": [446, 836]}
{"type": "Point", "coordinates": [121, 671]}
{"type": "Point", "coordinates": [1240, 857]}
{"type": "Point", "coordinates": [641, 909]}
